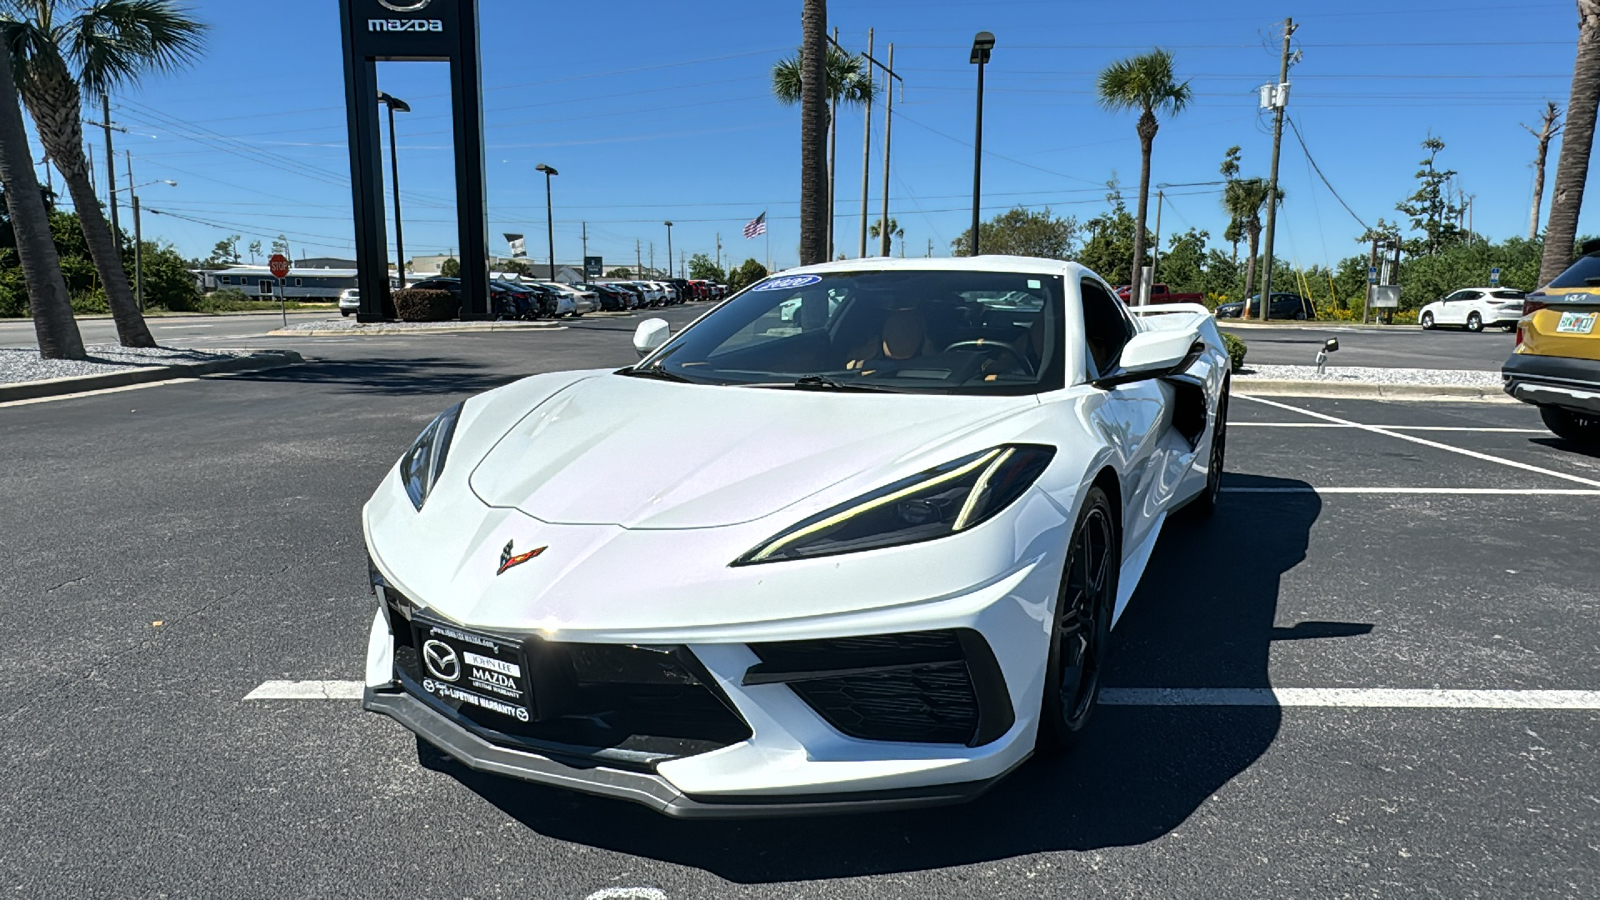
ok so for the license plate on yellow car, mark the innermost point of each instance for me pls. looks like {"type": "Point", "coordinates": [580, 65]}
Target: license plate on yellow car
{"type": "Point", "coordinates": [1577, 323]}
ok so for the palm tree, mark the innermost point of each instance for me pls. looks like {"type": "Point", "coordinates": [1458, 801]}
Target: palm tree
{"type": "Point", "coordinates": [30, 223]}
{"type": "Point", "coordinates": [1572, 166]}
{"type": "Point", "coordinates": [62, 50]}
{"type": "Point", "coordinates": [895, 232]}
{"type": "Point", "coordinates": [1145, 83]}
{"type": "Point", "coordinates": [1244, 199]}
{"type": "Point", "coordinates": [813, 132]}
{"type": "Point", "coordinates": [849, 82]}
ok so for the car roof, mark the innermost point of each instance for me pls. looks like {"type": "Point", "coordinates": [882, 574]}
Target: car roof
{"type": "Point", "coordinates": [983, 263]}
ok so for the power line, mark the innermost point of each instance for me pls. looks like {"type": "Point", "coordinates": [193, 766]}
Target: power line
{"type": "Point", "coordinates": [1318, 169]}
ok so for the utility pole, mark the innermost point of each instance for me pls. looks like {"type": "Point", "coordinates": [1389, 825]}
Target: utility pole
{"type": "Point", "coordinates": [1279, 99]}
{"type": "Point", "coordinates": [888, 123]}
{"type": "Point", "coordinates": [866, 161]}
{"type": "Point", "coordinates": [719, 247]}
{"type": "Point", "coordinates": [138, 242]}
{"type": "Point", "coordinates": [930, 248]}
{"type": "Point", "coordinates": [111, 167]}
{"type": "Point", "coordinates": [833, 154]}
{"type": "Point", "coordinates": [638, 261]}
{"type": "Point", "coordinates": [586, 240]}
{"type": "Point", "coordinates": [652, 257]}
{"type": "Point", "coordinates": [1155, 252]}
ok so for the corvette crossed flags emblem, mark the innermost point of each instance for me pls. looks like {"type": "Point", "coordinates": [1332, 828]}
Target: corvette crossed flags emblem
{"type": "Point", "coordinates": [507, 559]}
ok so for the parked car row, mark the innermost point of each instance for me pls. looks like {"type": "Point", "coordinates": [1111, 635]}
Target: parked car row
{"type": "Point", "coordinates": [554, 300]}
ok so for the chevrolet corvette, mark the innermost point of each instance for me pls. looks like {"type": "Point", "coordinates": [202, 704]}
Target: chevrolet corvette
{"type": "Point", "coordinates": [893, 511]}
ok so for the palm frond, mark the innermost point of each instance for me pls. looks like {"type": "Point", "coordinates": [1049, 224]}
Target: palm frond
{"type": "Point", "coordinates": [786, 80]}
{"type": "Point", "coordinates": [1145, 82]}
{"type": "Point", "coordinates": [112, 42]}
{"type": "Point", "coordinates": [849, 79]}
{"type": "Point", "coordinates": [34, 53]}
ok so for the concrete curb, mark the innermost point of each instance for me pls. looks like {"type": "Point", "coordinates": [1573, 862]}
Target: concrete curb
{"type": "Point", "coordinates": [388, 331]}
{"type": "Point", "coordinates": [1282, 387]}
{"type": "Point", "coordinates": [55, 387]}
{"type": "Point", "coordinates": [1317, 324]}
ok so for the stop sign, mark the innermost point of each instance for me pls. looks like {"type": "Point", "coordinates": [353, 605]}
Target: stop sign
{"type": "Point", "coordinates": [278, 265]}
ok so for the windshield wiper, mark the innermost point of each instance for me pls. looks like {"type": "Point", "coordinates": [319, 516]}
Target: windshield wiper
{"type": "Point", "coordinates": [824, 383]}
{"type": "Point", "coordinates": [655, 372]}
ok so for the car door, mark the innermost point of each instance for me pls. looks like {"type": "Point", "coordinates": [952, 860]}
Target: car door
{"type": "Point", "coordinates": [1129, 416]}
{"type": "Point", "coordinates": [1453, 311]}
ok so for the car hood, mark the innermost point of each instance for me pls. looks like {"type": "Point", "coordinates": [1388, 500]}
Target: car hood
{"type": "Point", "coordinates": [614, 450]}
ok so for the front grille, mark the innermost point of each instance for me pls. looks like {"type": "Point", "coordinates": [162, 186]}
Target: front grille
{"type": "Point", "coordinates": [941, 687]}
{"type": "Point", "coordinates": [624, 705]}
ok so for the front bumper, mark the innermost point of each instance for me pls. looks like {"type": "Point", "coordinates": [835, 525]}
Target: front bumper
{"type": "Point", "coordinates": [1554, 381]}
{"type": "Point", "coordinates": [646, 788]}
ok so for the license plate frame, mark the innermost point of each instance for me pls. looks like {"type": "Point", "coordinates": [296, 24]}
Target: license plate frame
{"type": "Point", "coordinates": [1577, 322]}
{"type": "Point", "coordinates": [491, 672]}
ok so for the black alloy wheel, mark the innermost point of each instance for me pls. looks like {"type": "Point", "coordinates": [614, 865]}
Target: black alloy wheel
{"type": "Point", "coordinates": [1082, 631]}
{"type": "Point", "coordinates": [1206, 503]}
{"type": "Point", "coordinates": [1474, 323]}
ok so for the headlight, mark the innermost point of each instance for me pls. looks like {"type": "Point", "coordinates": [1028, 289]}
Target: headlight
{"type": "Point", "coordinates": [940, 501]}
{"type": "Point", "coordinates": [421, 465]}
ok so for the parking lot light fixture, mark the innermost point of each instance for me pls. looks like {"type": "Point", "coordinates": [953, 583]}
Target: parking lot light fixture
{"type": "Point", "coordinates": [982, 44]}
{"type": "Point", "coordinates": [549, 215]}
{"type": "Point", "coordinates": [395, 104]}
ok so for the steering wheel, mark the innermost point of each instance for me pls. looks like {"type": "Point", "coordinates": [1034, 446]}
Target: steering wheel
{"type": "Point", "coordinates": [985, 346]}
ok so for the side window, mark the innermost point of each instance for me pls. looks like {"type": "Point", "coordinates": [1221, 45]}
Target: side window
{"type": "Point", "coordinates": [1106, 327]}
{"type": "Point", "coordinates": [1470, 295]}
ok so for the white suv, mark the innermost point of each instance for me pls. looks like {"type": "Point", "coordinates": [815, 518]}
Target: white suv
{"type": "Point", "coordinates": [1475, 309]}
{"type": "Point", "coordinates": [349, 301]}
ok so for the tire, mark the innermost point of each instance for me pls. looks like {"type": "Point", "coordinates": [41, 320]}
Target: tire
{"type": "Point", "coordinates": [1082, 629]}
{"type": "Point", "coordinates": [1206, 504]}
{"type": "Point", "coordinates": [1508, 326]}
{"type": "Point", "coordinates": [1578, 428]}
{"type": "Point", "coordinates": [1427, 321]}
{"type": "Point", "coordinates": [1300, 316]}
{"type": "Point", "coordinates": [1474, 323]}
{"type": "Point", "coordinates": [344, 312]}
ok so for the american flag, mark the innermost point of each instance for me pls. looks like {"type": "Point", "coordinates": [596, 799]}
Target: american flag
{"type": "Point", "coordinates": [756, 227]}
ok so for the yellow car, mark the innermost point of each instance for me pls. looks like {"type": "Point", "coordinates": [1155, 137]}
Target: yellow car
{"type": "Point", "coordinates": [1556, 365]}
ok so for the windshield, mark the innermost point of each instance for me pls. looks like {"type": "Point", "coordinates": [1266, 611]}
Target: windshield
{"type": "Point", "coordinates": [1583, 273]}
{"type": "Point", "coordinates": [933, 331]}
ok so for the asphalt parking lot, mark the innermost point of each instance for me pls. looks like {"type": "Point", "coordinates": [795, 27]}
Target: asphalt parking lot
{"type": "Point", "coordinates": [1373, 673]}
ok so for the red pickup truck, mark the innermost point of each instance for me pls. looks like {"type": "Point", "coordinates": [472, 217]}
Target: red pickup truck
{"type": "Point", "coordinates": [1159, 294]}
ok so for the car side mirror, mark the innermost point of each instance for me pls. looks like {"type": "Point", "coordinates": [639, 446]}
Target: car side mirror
{"type": "Point", "coordinates": [650, 335]}
{"type": "Point", "coordinates": [1331, 345]}
{"type": "Point", "coordinates": [1152, 354]}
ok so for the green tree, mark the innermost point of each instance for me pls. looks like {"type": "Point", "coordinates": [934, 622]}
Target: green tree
{"type": "Point", "coordinates": [1145, 83]}
{"type": "Point", "coordinates": [749, 272]}
{"type": "Point", "coordinates": [450, 268]}
{"type": "Point", "coordinates": [63, 50]}
{"type": "Point", "coordinates": [1021, 232]}
{"type": "Point", "coordinates": [167, 282]}
{"type": "Point", "coordinates": [1182, 267]}
{"type": "Point", "coordinates": [1431, 210]}
{"type": "Point", "coordinates": [1244, 199]}
{"type": "Point", "coordinates": [1110, 244]}
{"type": "Point", "coordinates": [225, 252]}
{"type": "Point", "coordinates": [703, 267]}
{"type": "Point", "coordinates": [895, 233]}
{"type": "Point", "coordinates": [619, 273]}
{"type": "Point", "coordinates": [1230, 170]}
{"type": "Point", "coordinates": [28, 220]}
{"type": "Point", "coordinates": [1572, 166]}
{"type": "Point", "coordinates": [280, 244]}
{"type": "Point", "coordinates": [849, 82]}
{"type": "Point", "coordinates": [255, 251]}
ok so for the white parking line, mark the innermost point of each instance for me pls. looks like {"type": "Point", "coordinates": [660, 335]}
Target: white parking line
{"type": "Point", "coordinates": [1376, 429]}
{"type": "Point", "coordinates": [1394, 698]}
{"type": "Point", "coordinates": [115, 390]}
{"type": "Point", "coordinates": [306, 690]}
{"type": "Point", "coordinates": [1515, 492]}
{"type": "Point", "coordinates": [1463, 428]}
{"type": "Point", "coordinates": [628, 893]}
{"type": "Point", "coordinates": [1373, 698]}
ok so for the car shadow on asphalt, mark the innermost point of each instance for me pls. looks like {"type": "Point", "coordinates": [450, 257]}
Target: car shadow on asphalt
{"type": "Point", "coordinates": [1202, 617]}
{"type": "Point", "coordinates": [399, 376]}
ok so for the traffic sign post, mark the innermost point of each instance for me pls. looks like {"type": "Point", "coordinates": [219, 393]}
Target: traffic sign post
{"type": "Point", "coordinates": [279, 267]}
{"type": "Point", "coordinates": [1494, 277]}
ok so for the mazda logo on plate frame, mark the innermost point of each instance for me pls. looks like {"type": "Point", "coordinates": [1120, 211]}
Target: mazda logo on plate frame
{"type": "Point", "coordinates": [441, 660]}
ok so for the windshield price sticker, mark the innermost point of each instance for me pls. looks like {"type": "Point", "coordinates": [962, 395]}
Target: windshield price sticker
{"type": "Point", "coordinates": [787, 283]}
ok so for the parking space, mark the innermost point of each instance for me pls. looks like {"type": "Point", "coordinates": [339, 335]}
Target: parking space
{"type": "Point", "coordinates": [145, 598]}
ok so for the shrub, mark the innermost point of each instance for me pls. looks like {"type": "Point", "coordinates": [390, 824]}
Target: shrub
{"type": "Point", "coordinates": [1236, 350]}
{"type": "Point", "coordinates": [421, 305]}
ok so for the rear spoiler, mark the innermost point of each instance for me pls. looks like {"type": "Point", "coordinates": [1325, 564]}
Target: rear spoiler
{"type": "Point", "coordinates": [1158, 308]}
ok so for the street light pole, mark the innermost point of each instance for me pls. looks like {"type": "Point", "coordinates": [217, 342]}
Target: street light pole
{"type": "Point", "coordinates": [549, 215]}
{"type": "Point", "coordinates": [982, 44]}
{"type": "Point", "coordinates": [396, 105]}
{"type": "Point", "coordinates": [138, 235]}
{"type": "Point", "coordinates": [670, 273]}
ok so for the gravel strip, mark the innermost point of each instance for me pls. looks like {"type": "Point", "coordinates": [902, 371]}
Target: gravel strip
{"type": "Point", "coordinates": [1372, 375]}
{"type": "Point", "coordinates": [18, 366]}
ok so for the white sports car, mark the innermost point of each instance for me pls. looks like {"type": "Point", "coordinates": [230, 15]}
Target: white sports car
{"type": "Point", "coordinates": [893, 510]}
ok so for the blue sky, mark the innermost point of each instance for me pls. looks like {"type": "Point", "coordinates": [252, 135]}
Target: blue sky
{"type": "Point", "coordinates": [654, 111]}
